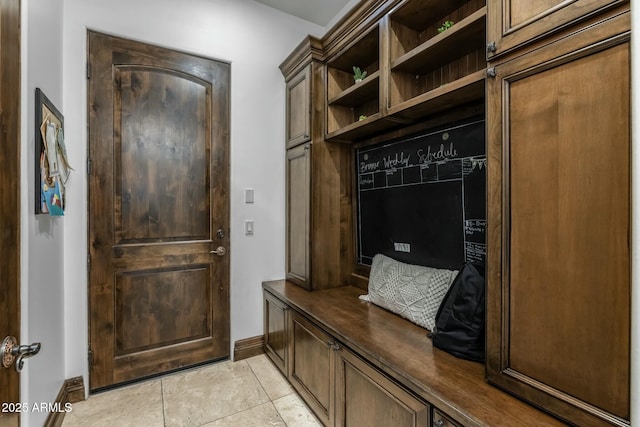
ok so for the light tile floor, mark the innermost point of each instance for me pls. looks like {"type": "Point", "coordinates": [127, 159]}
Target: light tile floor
{"type": "Point", "coordinates": [247, 393]}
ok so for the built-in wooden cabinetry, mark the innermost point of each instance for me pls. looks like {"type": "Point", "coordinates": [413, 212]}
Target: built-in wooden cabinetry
{"type": "Point", "coordinates": [365, 396]}
{"type": "Point", "coordinates": [276, 339]}
{"type": "Point", "coordinates": [352, 104]}
{"type": "Point", "coordinates": [299, 214]}
{"type": "Point", "coordinates": [299, 107]}
{"type": "Point", "coordinates": [356, 364]}
{"type": "Point", "coordinates": [513, 24]}
{"type": "Point", "coordinates": [559, 214]}
{"type": "Point", "coordinates": [432, 70]}
{"type": "Point", "coordinates": [316, 193]}
{"type": "Point", "coordinates": [311, 367]}
{"type": "Point", "coordinates": [554, 76]}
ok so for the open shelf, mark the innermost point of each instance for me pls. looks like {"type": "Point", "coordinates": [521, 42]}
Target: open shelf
{"type": "Point", "coordinates": [426, 63]}
{"type": "Point", "coordinates": [464, 37]}
{"type": "Point", "coordinates": [358, 93]}
{"type": "Point", "coordinates": [463, 91]}
{"type": "Point", "coordinates": [348, 101]}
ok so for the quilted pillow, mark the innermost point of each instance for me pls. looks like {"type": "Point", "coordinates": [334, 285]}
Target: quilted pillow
{"type": "Point", "coordinates": [411, 291]}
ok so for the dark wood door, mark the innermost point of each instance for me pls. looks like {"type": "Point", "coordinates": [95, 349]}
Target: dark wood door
{"type": "Point", "coordinates": [158, 209]}
{"type": "Point", "coordinates": [9, 196]}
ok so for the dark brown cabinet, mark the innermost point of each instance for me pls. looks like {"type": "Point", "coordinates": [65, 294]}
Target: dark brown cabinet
{"type": "Point", "coordinates": [312, 365]}
{"type": "Point", "coordinates": [317, 202]}
{"type": "Point", "coordinates": [512, 24]}
{"type": "Point", "coordinates": [298, 213]}
{"type": "Point", "coordinates": [365, 397]}
{"type": "Point", "coordinates": [299, 108]}
{"type": "Point", "coordinates": [559, 209]}
{"type": "Point", "coordinates": [276, 332]}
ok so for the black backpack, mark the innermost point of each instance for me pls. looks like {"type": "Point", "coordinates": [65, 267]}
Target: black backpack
{"type": "Point", "coordinates": [460, 321]}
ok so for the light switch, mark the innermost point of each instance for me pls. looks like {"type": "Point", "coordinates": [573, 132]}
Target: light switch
{"type": "Point", "coordinates": [248, 195]}
{"type": "Point", "coordinates": [248, 227]}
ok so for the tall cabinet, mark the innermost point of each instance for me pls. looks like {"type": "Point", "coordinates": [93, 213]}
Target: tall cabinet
{"type": "Point", "coordinates": [558, 116]}
{"type": "Point", "coordinates": [317, 195]}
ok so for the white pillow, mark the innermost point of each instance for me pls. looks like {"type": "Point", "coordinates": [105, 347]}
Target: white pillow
{"type": "Point", "coordinates": [411, 291]}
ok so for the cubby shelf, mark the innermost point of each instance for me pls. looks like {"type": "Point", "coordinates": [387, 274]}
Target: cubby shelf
{"type": "Point", "coordinates": [465, 90]}
{"type": "Point", "coordinates": [347, 100]}
{"type": "Point", "coordinates": [372, 125]}
{"type": "Point", "coordinates": [366, 90]}
{"type": "Point", "coordinates": [415, 69]}
{"type": "Point", "coordinates": [463, 37]}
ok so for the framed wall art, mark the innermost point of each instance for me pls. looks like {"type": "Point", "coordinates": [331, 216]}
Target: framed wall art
{"type": "Point", "coordinates": [52, 164]}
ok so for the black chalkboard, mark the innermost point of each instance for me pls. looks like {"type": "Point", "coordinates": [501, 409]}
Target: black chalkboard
{"type": "Point", "coordinates": [422, 199]}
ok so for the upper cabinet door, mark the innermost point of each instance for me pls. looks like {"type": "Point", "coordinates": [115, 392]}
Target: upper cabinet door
{"type": "Point", "coordinates": [513, 23]}
{"type": "Point", "coordinates": [299, 108]}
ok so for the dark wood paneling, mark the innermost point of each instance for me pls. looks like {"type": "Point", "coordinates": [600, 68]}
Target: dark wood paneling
{"type": "Point", "coordinates": [299, 215]}
{"type": "Point", "coordinates": [157, 308]}
{"type": "Point", "coordinates": [276, 332]}
{"type": "Point", "coordinates": [162, 183]}
{"type": "Point", "coordinates": [365, 397]}
{"type": "Point", "coordinates": [559, 215]}
{"type": "Point", "coordinates": [311, 366]}
{"type": "Point", "coordinates": [299, 108]}
{"type": "Point", "coordinates": [10, 101]}
{"type": "Point", "coordinates": [513, 24]}
{"type": "Point", "coordinates": [570, 228]}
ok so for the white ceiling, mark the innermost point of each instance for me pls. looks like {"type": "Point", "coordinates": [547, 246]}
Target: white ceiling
{"type": "Point", "coordinates": [317, 11]}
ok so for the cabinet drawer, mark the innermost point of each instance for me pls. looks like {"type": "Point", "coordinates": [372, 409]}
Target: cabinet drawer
{"type": "Point", "coordinates": [439, 419]}
{"type": "Point", "coordinates": [365, 397]}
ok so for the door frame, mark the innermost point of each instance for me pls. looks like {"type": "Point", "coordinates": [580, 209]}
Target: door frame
{"type": "Point", "coordinates": [10, 202]}
{"type": "Point", "coordinates": [10, 172]}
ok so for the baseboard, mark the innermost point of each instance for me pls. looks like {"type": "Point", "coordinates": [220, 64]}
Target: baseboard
{"type": "Point", "coordinates": [248, 347]}
{"type": "Point", "coordinates": [72, 391]}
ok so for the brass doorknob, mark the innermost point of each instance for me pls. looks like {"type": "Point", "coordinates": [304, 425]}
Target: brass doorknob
{"type": "Point", "coordinates": [221, 251]}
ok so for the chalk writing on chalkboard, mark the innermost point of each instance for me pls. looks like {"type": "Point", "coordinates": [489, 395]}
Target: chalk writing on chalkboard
{"type": "Point", "coordinates": [422, 199]}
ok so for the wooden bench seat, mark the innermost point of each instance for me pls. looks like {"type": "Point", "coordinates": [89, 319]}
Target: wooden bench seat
{"type": "Point", "coordinates": [403, 352]}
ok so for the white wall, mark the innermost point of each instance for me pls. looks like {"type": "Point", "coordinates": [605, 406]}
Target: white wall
{"type": "Point", "coordinates": [255, 39]}
{"type": "Point", "coordinates": [42, 241]}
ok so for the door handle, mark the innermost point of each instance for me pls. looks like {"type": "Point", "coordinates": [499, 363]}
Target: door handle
{"type": "Point", "coordinates": [221, 251]}
{"type": "Point", "coordinates": [10, 351]}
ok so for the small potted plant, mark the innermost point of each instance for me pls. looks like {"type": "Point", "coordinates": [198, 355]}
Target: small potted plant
{"type": "Point", "coordinates": [445, 26]}
{"type": "Point", "coordinates": [358, 75]}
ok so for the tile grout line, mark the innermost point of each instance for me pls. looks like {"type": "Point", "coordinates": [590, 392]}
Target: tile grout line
{"type": "Point", "coordinates": [267, 394]}
{"type": "Point", "coordinates": [164, 420]}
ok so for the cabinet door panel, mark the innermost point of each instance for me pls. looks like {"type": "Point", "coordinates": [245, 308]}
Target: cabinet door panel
{"type": "Point", "coordinates": [275, 333]}
{"type": "Point", "coordinates": [513, 23]}
{"type": "Point", "coordinates": [364, 397]}
{"type": "Point", "coordinates": [298, 214]}
{"type": "Point", "coordinates": [299, 108]}
{"type": "Point", "coordinates": [559, 255]}
{"type": "Point", "coordinates": [311, 367]}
